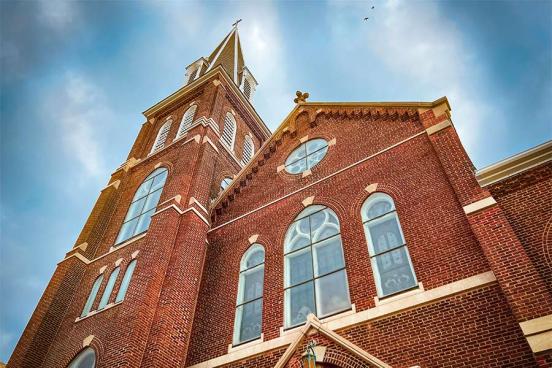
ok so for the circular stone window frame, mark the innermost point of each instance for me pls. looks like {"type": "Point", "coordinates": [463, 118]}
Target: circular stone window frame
{"type": "Point", "coordinates": [326, 147]}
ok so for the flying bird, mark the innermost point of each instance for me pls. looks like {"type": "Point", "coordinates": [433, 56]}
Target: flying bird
{"type": "Point", "coordinates": [366, 18]}
{"type": "Point", "coordinates": [373, 7]}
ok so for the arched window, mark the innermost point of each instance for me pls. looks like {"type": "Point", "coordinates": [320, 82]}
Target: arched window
{"type": "Point", "coordinates": [225, 183]}
{"type": "Point", "coordinates": [391, 262]}
{"type": "Point", "coordinates": [109, 288]}
{"type": "Point", "coordinates": [229, 131]}
{"type": "Point", "coordinates": [248, 150]}
{"type": "Point", "coordinates": [85, 359]}
{"type": "Point", "coordinates": [187, 120]}
{"type": "Point", "coordinates": [306, 156]}
{"type": "Point", "coordinates": [249, 305]}
{"type": "Point", "coordinates": [126, 281]}
{"type": "Point", "coordinates": [92, 296]}
{"type": "Point", "coordinates": [161, 136]}
{"type": "Point", "coordinates": [314, 266]}
{"type": "Point", "coordinates": [143, 205]}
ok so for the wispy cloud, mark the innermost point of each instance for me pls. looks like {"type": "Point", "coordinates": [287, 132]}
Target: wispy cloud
{"type": "Point", "coordinates": [78, 106]}
{"type": "Point", "coordinates": [421, 47]}
{"type": "Point", "coordinates": [57, 14]}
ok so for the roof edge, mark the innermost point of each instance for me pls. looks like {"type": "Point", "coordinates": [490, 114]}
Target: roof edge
{"type": "Point", "coordinates": [515, 164]}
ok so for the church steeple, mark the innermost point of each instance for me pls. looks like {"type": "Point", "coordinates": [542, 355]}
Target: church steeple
{"type": "Point", "coordinates": [229, 55]}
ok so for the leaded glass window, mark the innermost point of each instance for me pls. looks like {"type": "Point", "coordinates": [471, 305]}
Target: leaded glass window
{"type": "Point", "coordinates": [249, 305]}
{"type": "Point", "coordinates": [126, 281]}
{"type": "Point", "coordinates": [143, 205]}
{"type": "Point", "coordinates": [306, 156]}
{"type": "Point", "coordinates": [187, 120]}
{"type": "Point", "coordinates": [315, 280]}
{"type": "Point", "coordinates": [109, 288]}
{"type": "Point", "coordinates": [85, 359]}
{"type": "Point", "coordinates": [92, 296]}
{"type": "Point", "coordinates": [391, 264]}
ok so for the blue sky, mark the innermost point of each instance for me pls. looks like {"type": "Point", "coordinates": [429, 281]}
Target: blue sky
{"type": "Point", "coordinates": [76, 76]}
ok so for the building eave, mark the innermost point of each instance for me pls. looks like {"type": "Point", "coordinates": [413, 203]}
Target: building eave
{"type": "Point", "coordinates": [298, 108]}
{"type": "Point", "coordinates": [515, 164]}
{"type": "Point", "coordinates": [159, 106]}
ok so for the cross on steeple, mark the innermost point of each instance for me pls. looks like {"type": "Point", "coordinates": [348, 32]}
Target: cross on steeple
{"type": "Point", "coordinates": [236, 23]}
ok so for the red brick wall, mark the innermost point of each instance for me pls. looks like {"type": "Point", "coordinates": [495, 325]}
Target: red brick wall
{"type": "Point", "coordinates": [526, 200]}
{"type": "Point", "coordinates": [441, 244]}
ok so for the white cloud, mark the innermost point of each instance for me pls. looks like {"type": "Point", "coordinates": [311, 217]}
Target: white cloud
{"type": "Point", "coordinates": [57, 14]}
{"type": "Point", "coordinates": [422, 50]}
{"type": "Point", "coordinates": [78, 107]}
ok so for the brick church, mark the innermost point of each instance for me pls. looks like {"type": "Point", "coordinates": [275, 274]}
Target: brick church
{"type": "Point", "coordinates": [358, 234]}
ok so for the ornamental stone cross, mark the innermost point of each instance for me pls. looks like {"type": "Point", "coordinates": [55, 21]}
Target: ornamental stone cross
{"type": "Point", "coordinates": [301, 97]}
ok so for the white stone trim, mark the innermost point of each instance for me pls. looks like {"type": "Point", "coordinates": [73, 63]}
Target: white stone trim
{"type": "Point", "coordinates": [351, 319]}
{"type": "Point", "coordinates": [405, 294]}
{"type": "Point", "coordinates": [306, 173]}
{"type": "Point", "coordinates": [87, 341]}
{"type": "Point", "coordinates": [246, 345]}
{"type": "Point", "coordinates": [479, 205]}
{"type": "Point", "coordinates": [182, 212]}
{"type": "Point", "coordinates": [134, 254]}
{"type": "Point", "coordinates": [538, 332]}
{"type": "Point", "coordinates": [118, 262]}
{"type": "Point", "coordinates": [94, 312]}
{"type": "Point", "coordinates": [308, 201]}
{"type": "Point", "coordinates": [304, 139]}
{"type": "Point", "coordinates": [253, 238]}
{"type": "Point", "coordinates": [317, 181]}
{"type": "Point", "coordinates": [230, 152]}
{"type": "Point", "coordinates": [193, 200]}
{"type": "Point", "coordinates": [332, 142]}
{"type": "Point", "coordinates": [280, 168]}
{"type": "Point", "coordinates": [208, 140]}
{"type": "Point", "coordinates": [371, 188]}
{"type": "Point", "coordinates": [114, 184]}
{"type": "Point", "coordinates": [102, 269]}
{"type": "Point", "coordinates": [437, 127]}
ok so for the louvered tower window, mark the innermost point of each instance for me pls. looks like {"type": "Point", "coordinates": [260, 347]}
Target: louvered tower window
{"type": "Point", "coordinates": [229, 131]}
{"type": "Point", "coordinates": [192, 74]}
{"type": "Point", "coordinates": [161, 136]}
{"type": "Point", "coordinates": [248, 150]}
{"type": "Point", "coordinates": [247, 88]}
{"type": "Point", "coordinates": [187, 120]}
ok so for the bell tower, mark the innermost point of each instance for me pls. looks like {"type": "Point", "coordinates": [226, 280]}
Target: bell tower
{"type": "Point", "coordinates": [152, 217]}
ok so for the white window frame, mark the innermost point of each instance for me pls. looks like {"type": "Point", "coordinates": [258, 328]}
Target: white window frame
{"type": "Point", "coordinates": [306, 213]}
{"type": "Point", "coordinates": [233, 127]}
{"type": "Point", "coordinates": [161, 137]}
{"type": "Point", "coordinates": [241, 291]}
{"type": "Point", "coordinates": [374, 198]}
{"type": "Point", "coordinates": [187, 121]}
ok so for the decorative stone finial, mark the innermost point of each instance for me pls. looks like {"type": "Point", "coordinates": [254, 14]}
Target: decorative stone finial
{"type": "Point", "coordinates": [301, 97]}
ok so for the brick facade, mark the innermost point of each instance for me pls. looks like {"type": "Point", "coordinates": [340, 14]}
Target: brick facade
{"type": "Point", "coordinates": [483, 268]}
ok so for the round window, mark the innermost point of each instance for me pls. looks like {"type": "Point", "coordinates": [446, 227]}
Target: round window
{"type": "Point", "coordinates": [306, 156]}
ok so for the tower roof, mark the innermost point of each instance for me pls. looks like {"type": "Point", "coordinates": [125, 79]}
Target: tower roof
{"type": "Point", "coordinates": [229, 54]}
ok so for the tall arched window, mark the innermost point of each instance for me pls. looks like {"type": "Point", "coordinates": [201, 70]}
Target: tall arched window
{"type": "Point", "coordinates": [391, 262]}
{"type": "Point", "coordinates": [85, 359]}
{"type": "Point", "coordinates": [143, 205]}
{"type": "Point", "coordinates": [248, 150]}
{"type": "Point", "coordinates": [246, 88]}
{"type": "Point", "coordinates": [126, 281]}
{"type": "Point", "coordinates": [249, 304]}
{"type": "Point", "coordinates": [229, 131]}
{"type": "Point", "coordinates": [161, 136]}
{"type": "Point", "coordinates": [109, 288]}
{"type": "Point", "coordinates": [187, 120]}
{"type": "Point", "coordinates": [92, 296]}
{"type": "Point", "coordinates": [314, 266]}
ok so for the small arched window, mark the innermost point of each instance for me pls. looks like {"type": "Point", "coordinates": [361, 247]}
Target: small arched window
{"type": "Point", "coordinates": [248, 150]}
{"type": "Point", "coordinates": [126, 281]}
{"type": "Point", "coordinates": [391, 264]}
{"type": "Point", "coordinates": [92, 296]}
{"type": "Point", "coordinates": [229, 131]}
{"type": "Point", "coordinates": [249, 305]}
{"type": "Point", "coordinates": [109, 288]}
{"type": "Point", "coordinates": [315, 280]}
{"type": "Point", "coordinates": [187, 120]}
{"type": "Point", "coordinates": [225, 183]}
{"type": "Point", "coordinates": [161, 136]}
{"type": "Point", "coordinates": [85, 359]}
{"type": "Point", "coordinates": [143, 205]}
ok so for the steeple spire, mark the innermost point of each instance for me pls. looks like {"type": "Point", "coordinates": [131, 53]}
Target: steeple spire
{"type": "Point", "coordinates": [229, 55]}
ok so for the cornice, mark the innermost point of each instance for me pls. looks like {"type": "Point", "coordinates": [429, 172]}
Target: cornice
{"type": "Point", "coordinates": [515, 164]}
{"type": "Point", "coordinates": [218, 70]}
{"type": "Point", "coordinates": [373, 110]}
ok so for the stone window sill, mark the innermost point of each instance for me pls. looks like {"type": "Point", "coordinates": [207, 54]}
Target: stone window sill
{"type": "Point", "coordinates": [96, 312]}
